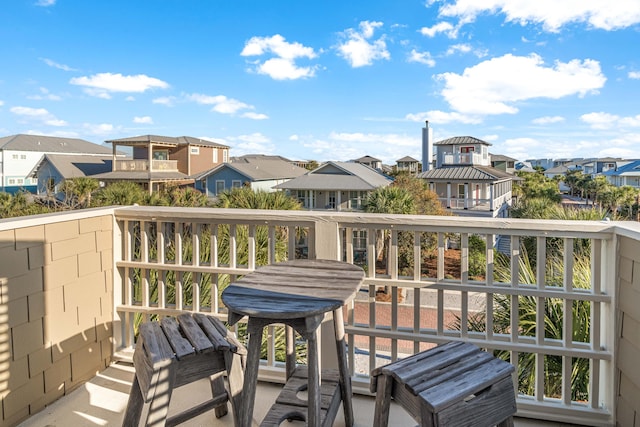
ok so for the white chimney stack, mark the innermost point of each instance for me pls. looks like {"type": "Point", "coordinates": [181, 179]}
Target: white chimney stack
{"type": "Point", "coordinates": [427, 147]}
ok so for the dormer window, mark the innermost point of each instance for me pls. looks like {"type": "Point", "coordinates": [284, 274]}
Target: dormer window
{"type": "Point", "coordinates": [467, 149]}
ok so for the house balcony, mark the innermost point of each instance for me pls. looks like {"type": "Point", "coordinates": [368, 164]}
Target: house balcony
{"type": "Point", "coordinates": [463, 159]}
{"type": "Point", "coordinates": [135, 165]}
{"type": "Point", "coordinates": [74, 286]}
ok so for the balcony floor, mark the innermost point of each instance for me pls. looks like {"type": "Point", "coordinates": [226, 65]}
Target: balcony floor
{"type": "Point", "coordinates": [101, 402]}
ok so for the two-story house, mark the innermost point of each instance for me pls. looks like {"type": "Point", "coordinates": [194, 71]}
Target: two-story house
{"type": "Point", "coordinates": [255, 171]}
{"type": "Point", "coordinates": [161, 160]}
{"type": "Point", "coordinates": [408, 164]}
{"type": "Point", "coordinates": [19, 154]}
{"type": "Point", "coordinates": [464, 180]}
{"type": "Point", "coordinates": [372, 162]}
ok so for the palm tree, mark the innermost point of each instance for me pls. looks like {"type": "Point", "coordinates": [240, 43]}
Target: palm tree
{"type": "Point", "coordinates": [121, 193]}
{"type": "Point", "coordinates": [78, 191]}
{"type": "Point", "coordinates": [246, 198]}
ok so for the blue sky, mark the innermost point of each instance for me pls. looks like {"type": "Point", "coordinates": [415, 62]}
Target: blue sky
{"type": "Point", "coordinates": [329, 80]}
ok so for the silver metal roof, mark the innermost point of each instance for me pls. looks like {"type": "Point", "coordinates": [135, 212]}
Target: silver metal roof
{"type": "Point", "coordinates": [342, 176]}
{"type": "Point", "coordinates": [471, 173]}
{"type": "Point", "coordinates": [260, 169]}
{"type": "Point", "coordinates": [461, 140]}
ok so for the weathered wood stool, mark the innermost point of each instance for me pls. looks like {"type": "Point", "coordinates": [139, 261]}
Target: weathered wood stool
{"type": "Point", "coordinates": [454, 384]}
{"type": "Point", "coordinates": [177, 351]}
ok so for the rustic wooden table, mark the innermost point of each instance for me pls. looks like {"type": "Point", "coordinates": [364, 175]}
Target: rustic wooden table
{"type": "Point", "coordinates": [296, 293]}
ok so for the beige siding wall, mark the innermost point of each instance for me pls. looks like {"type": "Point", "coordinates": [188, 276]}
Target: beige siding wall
{"type": "Point", "coordinates": [628, 373]}
{"type": "Point", "coordinates": [56, 305]}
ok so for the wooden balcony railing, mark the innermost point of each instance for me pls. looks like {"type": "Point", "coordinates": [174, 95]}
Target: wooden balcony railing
{"type": "Point", "coordinates": [555, 272]}
{"type": "Point", "coordinates": [143, 165]}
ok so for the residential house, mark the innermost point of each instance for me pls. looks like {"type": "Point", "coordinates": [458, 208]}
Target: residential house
{"type": "Point", "coordinates": [255, 171]}
{"type": "Point", "coordinates": [20, 153]}
{"type": "Point", "coordinates": [53, 169]}
{"type": "Point", "coordinates": [161, 160]}
{"type": "Point", "coordinates": [543, 163]}
{"type": "Point", "coordinates": [503, 163]}
{"type": "Point", "coordinates": [372, 162]}
{"type": "Point", "coordinates": [408, 164]}
{"type": "Point", "coordinates": [464, 180]}
{"type": "Point", "coordinates": [594, 167]}
{"type": "Point", "coordinates": [340, 186]}
{"type": "Point", "coordinates": [628, 174]}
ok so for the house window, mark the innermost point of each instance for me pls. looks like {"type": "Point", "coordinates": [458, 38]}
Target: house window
{"type": "Point", "coordinates": [215, 155]}
{"type": "Point", "coordinates": [306, 198]}
{"type": "Point", "coordinates": [23, 156]}
{"type": "Point", "coordinates": [219, 186]}
{"type": "Point", "coordinates": [461, 191]}
{"type": "Point", "coordinates": [20, 181]}
{"type": "Point", "coordinates": [356, 198]}
{"type": "Point", "coordinates": [332, 200]}
{"type": "Point", "coordinates": [12, 181]}
{"type": "Point", "coordinates": [467, 149]}
{"type": "Point", "coordinates": [236, 183]}
{"type": "Point", "coordinates": [195, 150]}
{"type": "Point", "coordinates": [161, 155]}
{"type": "Point", "coordinates": [14, 156]}
{"type": "Point", "coordinates": [225, 156]}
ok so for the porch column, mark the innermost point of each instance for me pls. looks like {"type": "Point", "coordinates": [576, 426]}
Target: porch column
{"type": "Point", "coordinates": [466, 195]}
{"type": "Point", "coordinates": [338, 200]}
{"type": "Point", "coordinates": [491, 202]}
{"type": "Point", "coordinates": [113, 157]}
{"type": "Point", "coordinates": [448, 195]}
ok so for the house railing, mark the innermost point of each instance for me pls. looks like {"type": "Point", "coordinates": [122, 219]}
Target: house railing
{"type": "Point", "coordinates": [462, 159]}
{"type": "Point", "coordinates": [174, 259]}
{"type": "Point", "coordinates": [143, 165]}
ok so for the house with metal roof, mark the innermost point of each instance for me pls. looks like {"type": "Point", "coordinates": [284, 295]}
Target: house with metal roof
{"type": "Point", "coordinates": [372, 162]}
{"type": "Point", "coordinates": [255, 171]}
{"type": "Point", "coordinates": [464, 180]}
{"type": "Point", "coordinates": [53, 169]}
{"type": "Point", "coordinates": [503, 163]}
{"type": "Point", "coordinates": [20, 153]}
{"type": "Point", "coordinates": [341, 186]}
{"type": "Point", "coordinates": [164, 160]}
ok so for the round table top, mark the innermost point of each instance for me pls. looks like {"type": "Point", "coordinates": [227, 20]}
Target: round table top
{"type": "Point", "coordinates": [294, 289]}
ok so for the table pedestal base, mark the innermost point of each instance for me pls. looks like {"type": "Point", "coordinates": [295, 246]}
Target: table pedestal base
{"type": "Point", "coordinates": [289, 406]}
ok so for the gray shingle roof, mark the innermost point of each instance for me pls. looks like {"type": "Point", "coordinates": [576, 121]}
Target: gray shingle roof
{"type": "Point", "coordinates": [51, 144]}
{"type": "Point", "coordinates": [338, 176]}
{"type": "Point", "coordinates": [170, 140]}
{"type": "Point", "coordinates": [473, 173]}
{"type": "Point", "coordinates": [70, 166]}
{"type": "Point", "coordinates": [459, 140]}
{"type": "Point", "coordinates": [260, 169]}
{"type": "Point", "coordinates": [407, 159]}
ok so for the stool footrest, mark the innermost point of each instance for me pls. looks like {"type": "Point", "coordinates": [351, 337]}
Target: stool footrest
{"type": "Point", "coordinates": [289, 406]}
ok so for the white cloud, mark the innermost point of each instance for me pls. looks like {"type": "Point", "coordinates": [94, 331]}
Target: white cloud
{"type": "Point", "coordinates": [102, 85]}
{"type": "Point", "coordinates": [602, 120]}
{"type": "Point", "coordinates": [551, 14]}
{"type": "Point", "coordinates": [495, 85]}
{"type": "Point", "coordinates": [283, 66]}
{"type": "Point", "coordinates": [38, 114]}
{"type": "Point", "coordinates": [54, 64]}
{"type": "Point", "coordinates": [144, 120]}
{"type": "Point", "coordinates": [221, 104]}
{"type": "Point", "coordinates": [443, 117]}
{"type": "Point", "coordinates": [99, 129]}
{"type": "Point", "coordinates": [422, 58]}
{"type": "Point", "coordinates": [45, 95]}
{"type": "Point", "coordinates": [169, 101]}
{"type": "Point", "coordinates": [441, 27]}
{"type": "Point", "coordinates": [255, 116]}
{"type": "Point", "coordinates": [461, 48]}
{"type": "Point", "coordinates": [547, 120]}
{"type": "Point", "coordinates": [1, 103]}
{"type": "Point", "coordinates": [251, 144]}
{"type": "Point", "coordinates": [45, 3]}
{"type": "Point", "coordinates": [358, 50]}
{"type": "Point", "coordinates": [634, 74]}
{"type": "Point", "coordinates": [345, 146]}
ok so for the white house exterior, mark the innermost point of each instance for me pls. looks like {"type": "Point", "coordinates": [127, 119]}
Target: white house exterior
{"type": "Point", "coordinates": [20, 153]}
{"type": "Point", "coordinates": [464, 180]}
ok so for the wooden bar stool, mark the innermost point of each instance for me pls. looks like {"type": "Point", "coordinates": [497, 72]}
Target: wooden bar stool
{"type": "Point", "coordinates": [177, 351]}
{"type": "Point", "coordinates": [454, 385]}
